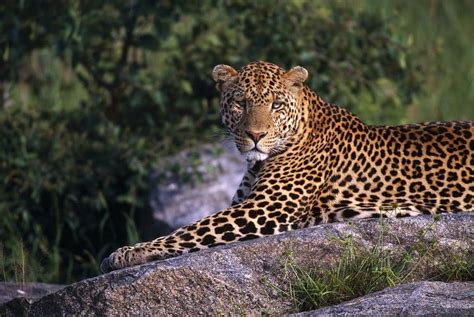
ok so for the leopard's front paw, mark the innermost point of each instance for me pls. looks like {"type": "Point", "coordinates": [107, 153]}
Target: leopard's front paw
{"type": "Point", "coordinates": [137, 254]}
{"type": "Point", "coordinates": [109, 264]}
{"type": "Point", "coordinates": [124, 257]}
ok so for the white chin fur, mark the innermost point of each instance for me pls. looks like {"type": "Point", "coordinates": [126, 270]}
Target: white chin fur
{"type": "Point", "coordinates": [254, 155]}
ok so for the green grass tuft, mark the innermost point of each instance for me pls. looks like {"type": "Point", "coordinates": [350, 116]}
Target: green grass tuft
{"type": "Point", "coordinates": [359, 272]}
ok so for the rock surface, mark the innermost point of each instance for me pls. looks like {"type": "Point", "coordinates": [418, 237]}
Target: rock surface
{"type": "Point", "coordinates": [8, 291]}
{"type": "Point", "coordinates": [194, 184]}
{"type": "Point", "coordinates": [240, 278]}
{"type": "Point", "coordinates": [414, 299]}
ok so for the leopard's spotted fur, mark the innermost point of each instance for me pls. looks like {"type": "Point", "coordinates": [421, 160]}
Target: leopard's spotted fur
{"type": "Point", "coordinates": [314, 162]}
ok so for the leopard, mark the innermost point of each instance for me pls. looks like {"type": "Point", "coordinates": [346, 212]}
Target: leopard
{"type": "Point", "coordinates": [312, 162]}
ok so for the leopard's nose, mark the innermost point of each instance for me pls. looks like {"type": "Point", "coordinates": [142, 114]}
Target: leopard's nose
{"type": "Point", "coordinates": [256, 136]}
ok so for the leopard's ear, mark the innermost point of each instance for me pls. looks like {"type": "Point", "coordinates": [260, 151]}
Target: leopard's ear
{"type": "Point", "coordinates": [295, 77]}
{"type": "Point", "coordinates": [222, 73]}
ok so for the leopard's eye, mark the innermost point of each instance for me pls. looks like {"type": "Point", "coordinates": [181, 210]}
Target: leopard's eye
{"type": "Point", "coordinates": [277, 105]}
{"type": "Point", "coordinates": [239, 105]}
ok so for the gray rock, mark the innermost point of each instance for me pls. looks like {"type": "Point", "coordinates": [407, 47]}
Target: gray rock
{"type": "Point", "coordinates": [240, 278]}
{"type": "Point", "coordinates": [414, 299]}
{"type": "Point", "coordinates": [194, 184]}
{"type": "Point", "coordinates": [8, 291]}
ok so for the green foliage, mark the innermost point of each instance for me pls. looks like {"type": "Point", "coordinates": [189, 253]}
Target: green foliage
{"type": "Point", "coordinates": [141, 59]}
{"type": "Point", "coordinates": [438, 33]}
{"type": "Point", "coordinates": [26, 26]}
{"type": "Point", "coordinates": [71, 183]}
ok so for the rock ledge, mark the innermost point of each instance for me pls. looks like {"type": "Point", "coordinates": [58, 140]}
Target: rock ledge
{"type": "Point", "coordinates": [234, 279]}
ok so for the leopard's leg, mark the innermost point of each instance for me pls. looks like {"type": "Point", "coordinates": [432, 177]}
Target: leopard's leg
{"type": "Point", "coordinates": [385, 208]}
{"type": "Point", "coordinates": [247, 182]}
{"type": "Point", "coordinates": [248, 220]}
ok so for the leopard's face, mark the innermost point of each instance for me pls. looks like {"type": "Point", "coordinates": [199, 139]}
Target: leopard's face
{"type": "Point", "coordinates": [259, 106]}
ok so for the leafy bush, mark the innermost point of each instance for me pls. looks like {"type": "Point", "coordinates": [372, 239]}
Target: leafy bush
{"type": "Point", "coordinates": [72, 184]}
{"type": "Point", "coordinates": [148, 63]}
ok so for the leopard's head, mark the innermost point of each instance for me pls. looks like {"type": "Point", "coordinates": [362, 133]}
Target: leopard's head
{"type": "Point", "coordinates": [260, 106]}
